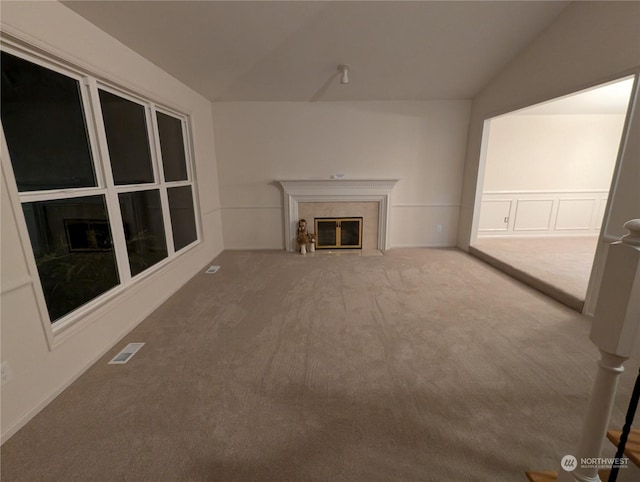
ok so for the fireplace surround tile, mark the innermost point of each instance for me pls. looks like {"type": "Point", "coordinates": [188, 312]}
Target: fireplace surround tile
{"type": "Point", "coordinates": [342, 191]}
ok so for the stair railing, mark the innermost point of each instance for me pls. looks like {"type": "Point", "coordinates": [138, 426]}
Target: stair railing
{"type": "Point", "coordinates": [615, 330]}
{"type": "Point", "coordinates": [626, 429]}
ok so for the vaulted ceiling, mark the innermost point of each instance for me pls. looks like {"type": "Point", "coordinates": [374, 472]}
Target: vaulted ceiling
{"type": "Point", "coordinates": [289, 51]}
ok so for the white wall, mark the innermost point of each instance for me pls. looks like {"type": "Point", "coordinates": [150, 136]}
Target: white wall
{"type": "Point", "coordinates": [552, 152]}
{"type": "Point", "coordinates": [39, 373]}
{"type": "Point", "coordinates": [548, 175]}
{"type": "Point", "coordinates": [420, 143]}
{"type": "Point", "coordinates": [590, 43]}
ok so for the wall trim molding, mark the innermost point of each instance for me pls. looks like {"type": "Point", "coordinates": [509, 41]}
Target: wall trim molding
{"type": "Point", "coordinates": [548, 191]}
{"type": "Point", "coordinates": [418, 205]}
{"type": "Point", "coordinates": [522, 213]}
{"type": "Point", "coordinates": [13, 285]}
{"type": "Point", "coordinates": [538, 235]}
{"type": "Point", "coordinates": [251, 207]}
{"type": "Point", "coordinates": [336, 190]}
{"type": "Point", "coordinates": [428, 245]}
{"type": "Point", "coordinates": [211, 211]}
{"type": "Point", "coordinates": [427, 205]}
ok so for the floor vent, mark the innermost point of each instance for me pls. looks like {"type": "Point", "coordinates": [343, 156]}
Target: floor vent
{"type": "Point", "coordinates": [212, 269]}
{"type": "Point", "coordinates": [126, 353]}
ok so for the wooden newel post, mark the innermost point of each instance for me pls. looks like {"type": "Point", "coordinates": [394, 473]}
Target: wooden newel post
{"type": "Point", "coordinates": [615, 331]}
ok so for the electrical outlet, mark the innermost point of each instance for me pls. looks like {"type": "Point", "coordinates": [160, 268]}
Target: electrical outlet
{"type": "Point", "coordinates": [5, 373]}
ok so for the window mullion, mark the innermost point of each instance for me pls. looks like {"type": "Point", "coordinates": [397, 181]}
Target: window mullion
{"type": "Point", "coordinates": [113, 204]}
{"type": "Point", "coordinates": [187, 153]}
{"type": "Point", "coordinates": [164, 199]}
{"type": "Point", "coordinates": [34, 196]}
{"type": "Point", "coordinates": [188, 145]}
{"type": "Point", "coordinates": [135, 187]}
{"type": "Point", "coordinates": [154, 144]}
{"type": "Point", "coordinates": [90, 121]}
{"type": "Point", "coordinates": [179, 183]}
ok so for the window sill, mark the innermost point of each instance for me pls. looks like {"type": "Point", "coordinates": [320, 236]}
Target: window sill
{"type": "Point", "coordinates": [66, 327]}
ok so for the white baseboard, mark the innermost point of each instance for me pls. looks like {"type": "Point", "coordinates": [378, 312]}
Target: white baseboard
{"type": "Point", "coordinates": [538, 235]}
{"type": "Point", "coordinates": [435, 245]}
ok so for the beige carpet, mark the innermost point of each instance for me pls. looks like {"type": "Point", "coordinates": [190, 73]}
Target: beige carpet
{"type": "Point", "coordinates": [559, 267]}
{"type": "Point", "coordinates": [420, 365]}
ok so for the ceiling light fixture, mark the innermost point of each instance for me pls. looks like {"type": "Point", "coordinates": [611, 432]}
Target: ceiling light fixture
{"type": "Point", "coordinates": [344, 73]}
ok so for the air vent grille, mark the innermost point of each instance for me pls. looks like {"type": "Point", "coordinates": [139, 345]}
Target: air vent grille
{"type": "Point", "coordinates": [126, 353]}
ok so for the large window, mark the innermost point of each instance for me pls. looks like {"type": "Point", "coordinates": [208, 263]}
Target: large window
{"type": "Point", "coordinates": [73, 247]}
{"type": "Point", "coordinates": [125, 126]}
{"type": "Point", "coordinates": [43, 120]}
{"type": "Point", "coordinates": [104, 179]}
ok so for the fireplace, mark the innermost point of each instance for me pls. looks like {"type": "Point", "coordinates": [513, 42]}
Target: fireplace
{"type": "Point", "coordinates": [338, 233]}
{"type": "Point", "coordinates": [375, 192]}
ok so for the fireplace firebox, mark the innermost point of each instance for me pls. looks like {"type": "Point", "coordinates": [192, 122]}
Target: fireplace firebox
{"type": "Point", "coordinates": [338, 233]}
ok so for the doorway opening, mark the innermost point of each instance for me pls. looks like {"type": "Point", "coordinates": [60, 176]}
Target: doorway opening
{"type": "Point", "coordinates": [546, 173]}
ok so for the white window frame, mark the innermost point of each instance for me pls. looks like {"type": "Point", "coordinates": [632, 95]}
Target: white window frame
{"type": "Point", "coordinates": [190, 170]}
{"type": "Point", "coordinates": [89, 83]}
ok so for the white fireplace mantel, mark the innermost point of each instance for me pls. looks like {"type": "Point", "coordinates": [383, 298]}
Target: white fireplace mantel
{"type": "Point", "coordinates": [336, 190]}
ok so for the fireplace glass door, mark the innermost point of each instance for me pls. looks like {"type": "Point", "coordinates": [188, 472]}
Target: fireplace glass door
{"type": "Point", "coordinates": [337, 233]}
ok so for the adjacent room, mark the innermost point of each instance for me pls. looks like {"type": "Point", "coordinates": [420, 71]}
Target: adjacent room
{"type": "Point", "coordinates": [166, 313]}
{"type": "Point", "coordinates": [547, 175]}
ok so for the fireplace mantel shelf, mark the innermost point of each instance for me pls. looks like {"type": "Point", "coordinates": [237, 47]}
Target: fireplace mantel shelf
{"type": "Point", "coordinates": [336, 190]}
{"type": "Point", "coordinates": [289, 184]}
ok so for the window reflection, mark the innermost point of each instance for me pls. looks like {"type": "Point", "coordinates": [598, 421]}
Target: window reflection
{"type": "Point", "coordinates": [143, 229]}
{"type": "Point", "coordinates": [73, 249]}
{"type": "Point", "coordinates": [183, 219]}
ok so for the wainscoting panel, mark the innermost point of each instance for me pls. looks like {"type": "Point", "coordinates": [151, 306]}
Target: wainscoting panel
{"type": "Point", "coordinates": [575, 214]}
{"type": "Point", "coordinates": [541, 213]}
{"type": "Point", "coordinates": [601, 209]}
{"type": "Point", "coordinates": [495, 215]}
{"type": "Point", "coordinates": [533, 214]}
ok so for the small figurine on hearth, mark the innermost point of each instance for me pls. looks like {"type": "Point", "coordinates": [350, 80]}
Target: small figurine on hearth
{"type": "Point", "coordinates": [305, 238]}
